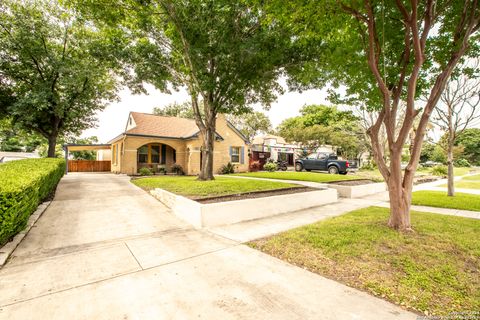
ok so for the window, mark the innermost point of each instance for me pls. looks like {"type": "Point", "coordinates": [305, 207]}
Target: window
{"type": "Point", "coordinates": [322, 156]}
{"type": "Point", "coordinates": [143, 154]}
{"type": "Point", "coordinates": [155, 154]}
{"type": "Point", "coordinates": [235, 155]}
{"type": "Point", "coordinates": [312, 156]}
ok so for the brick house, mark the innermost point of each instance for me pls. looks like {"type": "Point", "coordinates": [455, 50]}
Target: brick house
{"type": "Point", "coordinates": [156, 141]}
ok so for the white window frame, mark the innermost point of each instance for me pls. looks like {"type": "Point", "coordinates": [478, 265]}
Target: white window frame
{"type": "Point", "coordinates": [239, 149]}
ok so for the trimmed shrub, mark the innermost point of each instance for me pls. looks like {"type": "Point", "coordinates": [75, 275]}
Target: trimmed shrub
{"type": "Point", "coordinates": [177, 169]}
{"type": "Point", "coordinates": [23, 185]}
{"type": "Point", "coordinates": [228, 168]}
{"type": "Point", "coordinates": [440, 170]}
{"type": "Point", "coordinates": [462, 163]}
{"type": "Point", "coordinates": [145, 172]}
{"type": "Point", "coordinates": [270, 166]}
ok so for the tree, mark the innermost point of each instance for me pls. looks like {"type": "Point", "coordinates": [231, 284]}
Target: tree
{"type": "Point", "coordinates": [14, 139]}
{"type": "Point", "coordinates": [57, 67]}
{"type": "Point", "coordinates": [470, 140]}
{"type": "Point", "coordinates": [459, 108]}
{"type": "Point", "coordinates": [182, 110]}
{"type": "Point", "coordinates": [223, 52]}
{"type": "Point", "coordinates": [84, 155]}
{"type": "Point", "coordinates": [385, 53]}
{"type": "Point", "coordinates": [325, 125]}
{"type": "Point", "coordinates": [251, 124]}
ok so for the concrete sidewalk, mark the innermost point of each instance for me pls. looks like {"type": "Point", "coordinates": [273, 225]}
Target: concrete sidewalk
{"type": "Point", "coordinates": [260, 228]}
{"type": "Point", "coordinates": [105, 249]}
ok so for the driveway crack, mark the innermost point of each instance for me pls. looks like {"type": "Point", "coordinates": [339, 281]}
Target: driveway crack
{"type": "Point", "coordinates": [134, 256]}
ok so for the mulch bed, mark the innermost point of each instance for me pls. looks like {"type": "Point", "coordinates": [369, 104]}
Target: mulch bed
{"type": "Point", "coordinates": [352, 182]}
{"type": "Point", "coordinates": [254, 194]}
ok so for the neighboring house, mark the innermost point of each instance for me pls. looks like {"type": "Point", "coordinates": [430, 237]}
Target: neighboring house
{"type": "Point", "coordinates": [10, 156]}
{"type": "Point", "coordinates": [104, 155]}
{"type": "Point", "coordinates": [274, 147]}
{"type": "Point", "coordinates": [156, 141]}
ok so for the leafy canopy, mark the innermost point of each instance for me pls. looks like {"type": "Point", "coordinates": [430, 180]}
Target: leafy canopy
{"type": "Point", "coordinates": [58, 68]}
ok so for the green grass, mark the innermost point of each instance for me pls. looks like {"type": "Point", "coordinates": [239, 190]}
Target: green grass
{"type": "Point", "coordinates": [221, 186]}
{"type": "Point", "coordinates": [461, 171]}
{"type": "Point", "coordinates": [462, 201]}
{"type": "Point", "coordinates": [467, 184]}
{"type": "Point", "coordinates": [472, 178]}
{"type": "Point", "coordinates": [299, 176]}
{"type": "Point", "coordinates": [434, 269]}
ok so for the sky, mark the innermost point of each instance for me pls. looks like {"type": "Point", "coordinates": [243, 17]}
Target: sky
{"type": "Point", "coordinates": [112, 120]}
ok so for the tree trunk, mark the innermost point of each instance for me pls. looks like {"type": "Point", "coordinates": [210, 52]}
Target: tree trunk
{"type": "Point", "coordinates": [206, 172]}
{"type": "Point", "coordinates": [52, 144]}
{"type": "Point", "coordinates": [451, 183]}
{"type": "Point", "coordinates": [400, 192]}
{"type": "Point", "coordinates": [451, 141]}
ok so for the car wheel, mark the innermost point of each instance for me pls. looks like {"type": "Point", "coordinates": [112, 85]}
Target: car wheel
{"type": "Point", "coordinates": [309, 170]}
{"type": "Point", "coordinates": [333, 170]}
{"type": "Point", "coordinates": [298, 167]}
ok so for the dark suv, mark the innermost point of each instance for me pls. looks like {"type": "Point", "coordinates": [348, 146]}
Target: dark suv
{"type": "Point", "coordinates": [322, 161]}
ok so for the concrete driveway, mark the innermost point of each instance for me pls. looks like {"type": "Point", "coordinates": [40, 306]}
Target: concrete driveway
{"type": "Point", "coordinates": [105, 249]}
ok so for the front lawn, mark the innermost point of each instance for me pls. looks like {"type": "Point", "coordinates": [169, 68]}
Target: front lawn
{"type": "Point", "coordinates": [462, 201]}
{"type": "Point", "coordinates": [434, 269]}
{"type": "Point", "coordinates": [299, 176]}
{"type": "Point", "coordinates": [472, 184]}
{"type": "Point", "coordinates": [221, 186]}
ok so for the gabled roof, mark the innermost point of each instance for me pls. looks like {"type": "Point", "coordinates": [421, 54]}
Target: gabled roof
{"type": "Point", "coordinates": [261, 139]}
{"type": "Point", "coordinates": [160, 126]}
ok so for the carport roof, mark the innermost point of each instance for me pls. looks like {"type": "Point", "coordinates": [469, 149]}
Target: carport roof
{"type": "Point", "coordinates": [86, 147]}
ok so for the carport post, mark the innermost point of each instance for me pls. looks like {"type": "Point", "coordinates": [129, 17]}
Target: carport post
{"type": "Point", "coordinates": [65, 147]}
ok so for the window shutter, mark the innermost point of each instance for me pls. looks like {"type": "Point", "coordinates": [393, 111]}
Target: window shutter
{"type": "Point", "coordinates": [242, 160]}
{"type": "Point", "coordinates": [164, 154]}
{"type": "Point", "coordinates": [230, 150]}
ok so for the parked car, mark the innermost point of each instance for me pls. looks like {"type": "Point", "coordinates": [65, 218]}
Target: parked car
{"type": "Point", "coordinates": [323, 162]}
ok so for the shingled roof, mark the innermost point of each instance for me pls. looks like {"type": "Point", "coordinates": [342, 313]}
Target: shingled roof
{"type": "Point", "coordinates": [160, 126]}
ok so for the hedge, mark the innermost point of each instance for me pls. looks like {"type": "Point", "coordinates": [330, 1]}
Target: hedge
{"type": "Point", "coordinates": [23, 185]}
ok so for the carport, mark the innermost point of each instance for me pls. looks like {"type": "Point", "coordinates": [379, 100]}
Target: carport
{"type": "Point", "coordinates": [86, 165]}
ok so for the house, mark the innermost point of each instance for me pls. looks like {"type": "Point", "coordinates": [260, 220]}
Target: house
{"type": "Point", "coordinates": [273, 147]}
{"type": "Point", "coordinates": [156, 141]}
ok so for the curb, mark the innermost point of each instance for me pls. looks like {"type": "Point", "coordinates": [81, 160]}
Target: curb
{"type": "Point", "coordinates": [7, 250]}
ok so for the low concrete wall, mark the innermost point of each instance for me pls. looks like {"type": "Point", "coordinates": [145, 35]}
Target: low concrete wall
{"type": "Point", "coordinates": [221, 213]}
{"type": "Point", "coordinates": [360, 190]}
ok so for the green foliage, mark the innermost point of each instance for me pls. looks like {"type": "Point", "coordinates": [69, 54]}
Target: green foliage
{"type": "Point", "coordinates": [177, 169]}
{"type": "Point", "coordinates": [221, 186]}
{"type": "Point", "coordinates": [145, 171]}
{"type": "Point", "coordinates": [439, 171]}
{"type": "Point", "coordinates": [427, 153]}
{"type": "Point", "coordinates": [59, 68]}
{"type": "Point", "coordinates": [84, 155]}
{"type": "Point", "coordinates": [429, 270]}
{"type": "Point", "coordinates": [470, 140]}
{"type": "Point", "coordinates": [23, 184]}
{"type": "Point", "coordinates": [12, 138]}
{"type": "Point", "coordinates": [462, 163]}
{"type": "Point", "coordinates": [325, 125]}
{"type": "Point", "coordinates": [251, 124]}
{"type": "Point", "coordinates": [182, 110]}
{"type": "Point", "coordinates": [228, 168]}
{"type": "Point", "coordinates": [270, 166]}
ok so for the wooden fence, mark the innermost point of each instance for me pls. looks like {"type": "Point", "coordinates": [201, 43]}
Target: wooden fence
{"type": "Point", "coordinates": [88, 166]}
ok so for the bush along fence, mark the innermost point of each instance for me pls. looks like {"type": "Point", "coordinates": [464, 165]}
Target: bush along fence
{"type": "Point", "coordinates": [23, 185]}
